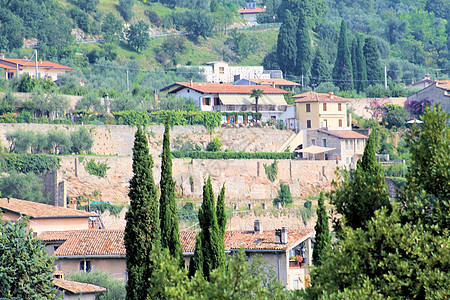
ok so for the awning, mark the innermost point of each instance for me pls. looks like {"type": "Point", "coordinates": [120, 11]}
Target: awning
{"type": "Point", "coordinates": [244, 99]}
{"type": "Point", "coordinates": [315, 149]}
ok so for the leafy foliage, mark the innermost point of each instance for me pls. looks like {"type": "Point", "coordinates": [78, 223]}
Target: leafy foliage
{"type": "Point", "coordinates": [343, 71]}
{"type": "Point", "coordinates": [142, 232]}
{"type": "Point", "coordinates": [26, 270]}
{"type": "Point", "coordinates": [23, 186]}
{"type": "Point", "coordinates": [138, 36]}
{"type": "Point", "coordinates": [115, 288]}
{"type": "Point", "coordinates": [284, 195]}
{"type": "Point", "coordinates": [272, 170]}
{"type": "Point", "coordinates": [170, 236]}
{"type": "Point", "coordinates": [214, 145]}
{"type": "Point", "coordinates": [96, 168]}
{"type": "Point", "coordinates": [35, 163]}
{"type": "Point", "coordinates": [287, 45]}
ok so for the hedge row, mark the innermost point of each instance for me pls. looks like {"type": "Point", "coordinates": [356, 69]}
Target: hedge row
{"type": "Point", "coordinates": [232, 155]}
{"type": "Point", "coordinates": [36, 163]}
{"type": "Point", "coordinates": [209, 119]}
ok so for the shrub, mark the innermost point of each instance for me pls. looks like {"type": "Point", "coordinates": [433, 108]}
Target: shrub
{"type": "Point", "coordinates": [284, 196]}
{"type": "Point", "coordinates": [271, 171]}
{"type": "Point", "coordinates": [98, 169]}
{"type": "Point", "coordinates": [214, 145]}
{"type": "Point", "coordinates": [25, 163]}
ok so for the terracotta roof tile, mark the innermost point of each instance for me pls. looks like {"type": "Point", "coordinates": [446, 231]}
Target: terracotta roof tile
{"type": "Point", "coordinates": [32, 64]}
{"type": "Point", "coordinates": [344, 134]}
{"type": "Point", "coordinates": [226, 88]}
{"type": "Point", "coordinates": [110, 242]}
{"type": "Point", "coordinates": [87, 242]}
{"type": "Point", "coordinates": [39, 210]}
{"type": "Point", "coordinates": [316, 97]}
{"type": "Point", "coordinates": [78, 287]}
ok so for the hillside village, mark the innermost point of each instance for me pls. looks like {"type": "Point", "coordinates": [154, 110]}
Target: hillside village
{"type": "Point", "coordinates": [233, 149]}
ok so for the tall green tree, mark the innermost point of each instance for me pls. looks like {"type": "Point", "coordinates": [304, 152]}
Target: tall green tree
{"type": "Point", "coordinates": [111, 29]}
{"type": "Point", "coordinates": [287, 44]}
{"type": "Point", "coordinates": [170, 235]}
{"type": "Point", "coordinates": [142, 232]}
{"type": "Point", "coordinates": [138, 36]}
{"type": "Point", "coordinates": [126, 9]}
{"type": "Point", "coordinates": [372, 56]}
{"type": "Point", "coordinates": [26, 269]}
{"type": "Point", "coordinates": [212, 245]}
{"type": "Point", "coordinates": [304, 52]}
{"type": "Point", "coordinates": [320, 72]}
{"type": "Point", "coordinates": [322, 246]}
{"type": "Point", "coordinates": [221, 212]}
{"type": "Point", "coordinates": [359, 65]}
{"type": "Point", "coordinates": [343, 71]}
{"type": "Point", "coordinates": [427, 194]}
{"type": "Point", "coordinates": [358, 195]}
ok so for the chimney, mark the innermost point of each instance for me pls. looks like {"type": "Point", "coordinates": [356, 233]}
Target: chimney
{"type": "Point", "coordinates": [331, 95]}
{"type": "Point", "coordinates": [40, 61]}
{"type": "Point", "coordinates": [273, 84]}
{"type": "Point", "coordinates": [277, 236]}
{"type": "Point", "coordinates": [284, 235]}
{"type": "Point", "coordinates": [155, 94]}
{"type": "Point", "coordinates": [191, 82]}
{"type": "Point", "coordinates": [427, 76]}
{"type": "Point", "coordinates": [7, 199]}
{"type": "Point", "coordinates": [258, 227]}
{"type": "Point", "coordinates": [2, 55]}
{"type": "Point", "coordinates": [26, 58]}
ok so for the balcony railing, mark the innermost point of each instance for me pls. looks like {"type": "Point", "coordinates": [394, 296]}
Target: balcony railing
{"type": "Point", "coordinates": [249, 108]}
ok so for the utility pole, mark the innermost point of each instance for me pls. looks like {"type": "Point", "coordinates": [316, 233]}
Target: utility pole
{"type": "Point", "coordinates": [302, 81]}
{"type": "Point", "coordinates": [36, 54]}
{"type": "Point", "coordinates": [385, 78]}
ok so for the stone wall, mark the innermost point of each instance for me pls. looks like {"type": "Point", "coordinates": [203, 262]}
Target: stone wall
{"type": "Point", "coordinates": [243, 179]}
{"type": "Point", "coordinates": [119, 139]}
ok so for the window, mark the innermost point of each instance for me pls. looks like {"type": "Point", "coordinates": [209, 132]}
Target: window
{"type": "Point", "coordinates": [346, 145]}
{"type": "Point", "coordinates": [221, 70]}
{"type": "Point", "coordinates": [216, 101]}
{"type": "Point", "coordinates": [313, 142]}
{"type": "Point", "coordinates": [340, 122]}
{"type": "Point", "coordinates": [324, 142]}
{"type": "Point", "coordinates": [324, 107]}
{"type": "Point", "coordinates": [308, 107]}
{"type": "Point", "coordinates": [357, 144]}
{"type": "Point", "coordinates": [207, 101]}
{"type": "Point", "coordinates": [308, 123]}
{"type": "Point", "coordinates": [351, 144]}
{"type": "Point", "coordinates": [85, 265]}
{"type": "Point", "coordinates": [296, 284]}
{"type": "Point", "coordinates": [339, 106]}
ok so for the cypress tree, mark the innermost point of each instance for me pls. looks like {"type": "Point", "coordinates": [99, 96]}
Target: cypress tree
{"type": "Point", "coordinates": [320, 72]}
{"type": "Point", "coordinates": [304, 52]}
{"type": "Point", "coordinates": [287, 45]}
{"type": "Point", "coordinates": [212, 245]}
{"type": "Point", "coordinates": [369, 159]}
{"type": "Point", "coordinates": [170, 236]}
{"type": "Point", "coordinates": [353, 56]}
{"type": "Point", "coordinates": [360, 66]}
{"type": "Point", "coordinates": [343, 71]}
{"type": "Point", "coordinates": [142, 229]}
{"type": "Point", "coordinates": [323, 238]}
{"type": "Point", "coordinates": [372, 56]}
{"type": "Point", "coordinates": [221, 213]}
{"type": "Point", "coordinates": [196, 263]}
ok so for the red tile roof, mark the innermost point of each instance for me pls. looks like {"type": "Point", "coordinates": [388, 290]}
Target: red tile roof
{"type": "Point", "coordinates": [78, 287]}
{"type": "Point", "coordinates": [25, 63]}
{"type": "Point", "coordinates": [39, 210]}
{"type": "Point", "coordinates": [255, 10]}
{"type": "Point", "coordinates": [226, 88]}
{"type": "Point", "coordinates": [344, 134]}
{"type": "Point", "coordinates": [317, 97]}
{"type": "Point", "coordinates": [107, 242]}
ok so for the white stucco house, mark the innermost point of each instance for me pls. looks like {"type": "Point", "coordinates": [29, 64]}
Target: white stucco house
{"type": "Point", "coordinates": [229, 99]}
